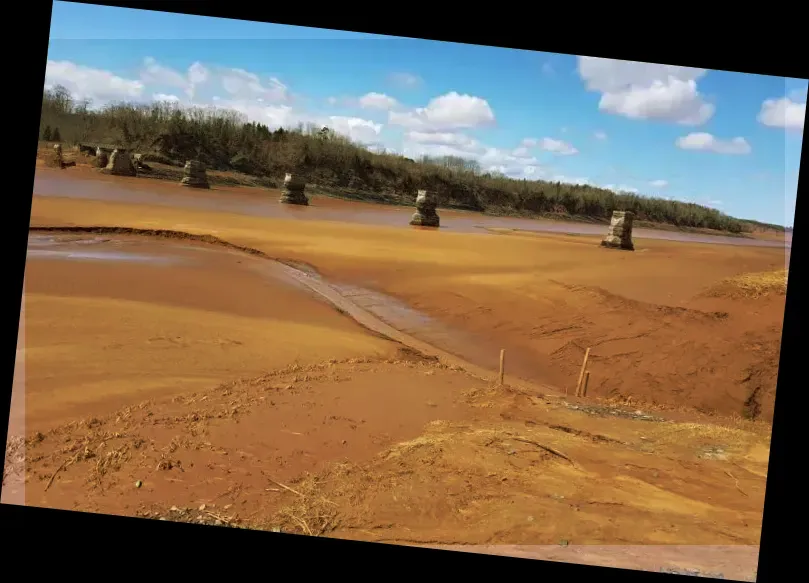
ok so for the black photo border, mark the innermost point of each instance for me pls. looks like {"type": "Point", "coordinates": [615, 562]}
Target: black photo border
{"type": "Point", "coordinates": [725, 39]}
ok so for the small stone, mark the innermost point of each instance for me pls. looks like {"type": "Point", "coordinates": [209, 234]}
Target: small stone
{"type": "Point", "coordinates": [202, 507]}
{"type": "Point", "coordinates": [276, 529]}
{"type": "Point", "coordinates": [227, 506]}
{"type": "Point", "coordinates": [174, 509]}
{"type": "Point", "coordinates": [564, 543]}
{"type": "Point", "coordinates": [138, 484]}
{"type": "Point", "coordinates": [218, 523]}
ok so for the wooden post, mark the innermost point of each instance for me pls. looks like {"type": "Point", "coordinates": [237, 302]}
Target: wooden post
{"type": "Point", "coordinates": [581, 373]}
{"type": "Point", "coordinates": [586, 382]}
{"type": "Point", "coordinates": [502, 365]}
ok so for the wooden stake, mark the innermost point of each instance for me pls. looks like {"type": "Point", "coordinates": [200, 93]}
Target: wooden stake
{"type": "Point", "coordinates": [586, 382]}
{"type": "Point", "coordinates": [581, 373]}
{"type": "Point", "coordinates": [502, 364]}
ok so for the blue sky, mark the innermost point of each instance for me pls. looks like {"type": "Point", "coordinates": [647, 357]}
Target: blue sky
{"type": "Point", "coordinates": [727, 140]}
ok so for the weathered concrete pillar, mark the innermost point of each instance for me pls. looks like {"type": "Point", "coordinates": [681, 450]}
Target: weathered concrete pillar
{"type": "Point", "coordinates": [120, 163]}
{"type": "Point", "coordinates": [619, 235]}
{"type": "Point", "coordinates": [101, 158]}
{"type": "Point", "coordinates": [425, 215]}
{"type": "Point", "coordinates": [195, 175]}
{"type": "Point", "coordinates": [57, 151]}
{"type": "Point", "coordinates": [293, 191]}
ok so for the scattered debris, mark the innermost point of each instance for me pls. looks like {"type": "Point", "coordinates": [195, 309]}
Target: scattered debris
{"type": "Point", "coordinates": [714, 452]}
{"type": "Point", "coordinates": [603, 411]}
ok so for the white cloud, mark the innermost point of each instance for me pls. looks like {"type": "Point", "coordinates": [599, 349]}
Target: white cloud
{"type": "Point", "coordinates": [359, 130]}
{"type": "Point", "coordinates": [550, 145]}
{"type": "Point", "coordinates": [567, 180]}
{"type": "Point", "coordinates": [447, 112]}
{"type": "Point", "coordinates": [405, 80]}
{"type": "Point", "coordinates": [443, 138]}
{"type": "Point", "coordinates": [165, 97]}
{"type": "Point", "coordinates": [557, 147]}
{"type": "Point", "coordinates": [620, 188]}
{"type": "Point", "coordinates": [95, 84]}
{"type": "Point", "coordinates": [153, 73]}
{"type": "Point", "coordinates": [273, 116]}
{"type": "Point", "coordinates": [659, 183]}
{"type": "Point", "coordinates": [783, 113]}
{"type": "Point", "coordinates": [332, 100]}
{"type": "Point", "coordinates": [599, 135]}
{"type": "Point", "coordinates": [263, 101]}
{"type": "Point", "coordinates": [709, 143]}
{"type": "Point", "coordinates": [241, 84]}
{"type": "Point", "coordinates": [197, 73]}
{"type": "Point", "coordinates": [377, 101]}
{"type": "Point", "coordinates": [646, 90]}
{"type": "Point", "coordinates": [516, 163]}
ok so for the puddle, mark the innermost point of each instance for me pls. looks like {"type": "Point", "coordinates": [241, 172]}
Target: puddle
{"type": "Point", "coordinates": [74, 249]}
{"type": "Point", "coordinates": [252, 203]}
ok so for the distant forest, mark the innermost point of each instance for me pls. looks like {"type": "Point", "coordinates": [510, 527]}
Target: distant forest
{"type": "Point", "coordinates": [224, 140]}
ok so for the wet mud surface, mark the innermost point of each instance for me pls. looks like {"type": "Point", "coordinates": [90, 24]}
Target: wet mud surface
{"type": "Point", "coordinates": [375, 311]}
{"type": "Point", "coordinates": [264, 203]}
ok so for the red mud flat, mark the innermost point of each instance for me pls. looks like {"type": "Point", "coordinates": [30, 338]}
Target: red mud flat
{"type": "Point", "coordinates": [737, 563]}
{"type": "Point", "coordinates": [177, 401]}
{"type": "Point", "coordinates": [654, 314]}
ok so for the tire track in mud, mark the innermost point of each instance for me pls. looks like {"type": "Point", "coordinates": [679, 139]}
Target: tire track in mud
{"type": "Point", "coordinates": [308, 276]}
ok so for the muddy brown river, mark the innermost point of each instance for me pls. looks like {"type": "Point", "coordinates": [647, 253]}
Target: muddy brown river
{"type": "Point", "coordinates": [326, 209]}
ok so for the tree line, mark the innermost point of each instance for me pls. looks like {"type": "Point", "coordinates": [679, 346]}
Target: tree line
{"type": "Point", "coordinates": [225, 140]}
